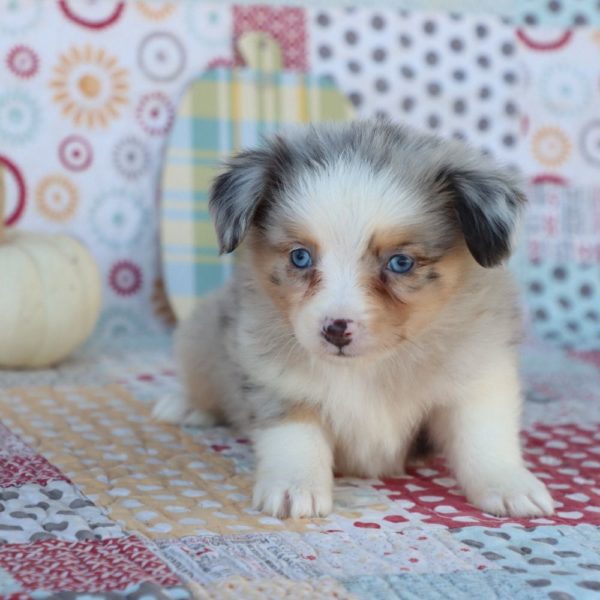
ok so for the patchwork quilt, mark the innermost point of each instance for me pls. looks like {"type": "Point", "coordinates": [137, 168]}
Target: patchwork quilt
{"type": "Point", "coordinates": [99, 501]}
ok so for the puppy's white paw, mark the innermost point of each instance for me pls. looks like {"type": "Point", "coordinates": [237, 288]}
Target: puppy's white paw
{"type": "Point", "coordinates": [169, 409]}
{"type": "Point", "coordinates": [294, 476]}
{"type": "Point", "coordinates": [292, 498]}
{"type": "Point", "coordinates": [176, 410]}
{"type": "Point", "coordinates": [517, 493]}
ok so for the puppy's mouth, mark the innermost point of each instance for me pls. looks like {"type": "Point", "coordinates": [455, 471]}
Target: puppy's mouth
{"type": "Point", "coordinates": [340, 357]}
{"type": "Point", "coordinates": [336, 354]}
{"type": "Point", "coordinates": [366, 352]}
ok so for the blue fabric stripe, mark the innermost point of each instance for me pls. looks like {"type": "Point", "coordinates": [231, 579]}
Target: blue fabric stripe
{"type": "Point", "coordinates": [185, 250]}
{"type": "Point", "coordinates": [184, 214]}
{"type": "Point", "coordinates": [203, 280]}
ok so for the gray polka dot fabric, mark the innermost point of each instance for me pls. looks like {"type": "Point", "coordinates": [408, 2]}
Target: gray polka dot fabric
{"type": "Point", "coordinates": [549, 561]}
{"type": "Point", "coordinates": [55, 511]}
{"type": "Point", "coordinates": [556, 13]}
{"type": "Point", "coordinates": [457, 77]}
{"type": "Point", "coordinates": [565, 302]}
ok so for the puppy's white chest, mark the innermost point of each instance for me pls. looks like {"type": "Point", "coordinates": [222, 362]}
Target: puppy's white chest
{"type": "Point", "coordinates": [371, 429]}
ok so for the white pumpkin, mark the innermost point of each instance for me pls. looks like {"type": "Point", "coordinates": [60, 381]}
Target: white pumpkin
{"type": "Point", "coordinates": [50, 296]}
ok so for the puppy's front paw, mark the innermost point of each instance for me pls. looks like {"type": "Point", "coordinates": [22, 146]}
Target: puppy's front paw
{"type": "Point", "coordinates": [518, 493]}
{"type": "Point", "coordinates": [176, 410]}
{"type": "Point", "coordinates": [293, 498]}
{"type": "Point", "coordinates": [294, 476]}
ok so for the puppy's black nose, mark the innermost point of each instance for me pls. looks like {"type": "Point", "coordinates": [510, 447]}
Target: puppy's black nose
{"type": "Point", "coordinates": [336, 333]}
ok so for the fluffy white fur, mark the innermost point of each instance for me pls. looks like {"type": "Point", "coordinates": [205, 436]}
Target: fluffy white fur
{"type": "Point", "coordinates": [297, 483]}
{"type": "Point", "coordinates": [254, 355]}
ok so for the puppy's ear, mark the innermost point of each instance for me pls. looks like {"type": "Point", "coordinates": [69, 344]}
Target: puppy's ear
{"type": "Point", "coordinates": [236, 195]}
{"type": "Point", "coordinates": [487, 203]}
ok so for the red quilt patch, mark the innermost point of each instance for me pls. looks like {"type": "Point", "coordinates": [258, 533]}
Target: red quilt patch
{"type": "Point", "coordinates": [100, 565]}
{"type": "Point", "coordinates": [565, 457]}
{"type": "Point", "coordinates": [19, 470]}
{"type": "Point", "coordinates": [286, 25]}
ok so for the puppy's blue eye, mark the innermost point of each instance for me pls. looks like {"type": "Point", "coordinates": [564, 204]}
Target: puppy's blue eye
{"type": "Point", "coordinates": [301, 258]}
{"type": "Point", "coordinates": [401, 263]}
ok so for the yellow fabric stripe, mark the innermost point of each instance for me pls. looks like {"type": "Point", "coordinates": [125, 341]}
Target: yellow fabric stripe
{"type": "Point", "coordinates": [304, 116]}
{"type": "Point", "coordinates": [236, 110]}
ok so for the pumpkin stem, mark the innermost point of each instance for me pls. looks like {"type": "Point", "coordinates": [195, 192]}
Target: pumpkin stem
{"type": "Point", "coordinates": [260, 51]}
{"type": "Point", "coordinates": [2, 202]}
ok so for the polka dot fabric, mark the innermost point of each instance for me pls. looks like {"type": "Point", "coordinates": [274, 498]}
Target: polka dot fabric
{"type": "Point", "coordinates": [547, 561]}
{"type": "Point", "coordinates": [557, 13]}
{"type": "Point", "coordinates": [565, 302]}
{"type": "Point", "coordinates": [565, 458]}
{"type": "Point", "coordinates": [454, 76]}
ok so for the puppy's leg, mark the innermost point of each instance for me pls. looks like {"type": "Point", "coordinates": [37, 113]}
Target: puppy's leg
{"type": "Point", "coordinates": [480, 435]}
{"type": "Point", "coordinates": [202, 363]}
{"type": "Point", "coordinates": [294, 462]}
{"type": "Point", "coordinates": [196, 406]}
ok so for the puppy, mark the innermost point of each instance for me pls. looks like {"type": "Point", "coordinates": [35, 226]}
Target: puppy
{"type": "Point", "coordinates": [369, 300]}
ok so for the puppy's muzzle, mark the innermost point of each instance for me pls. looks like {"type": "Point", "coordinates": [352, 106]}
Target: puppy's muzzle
{"type": "Point", "coordinates": [338, 332]}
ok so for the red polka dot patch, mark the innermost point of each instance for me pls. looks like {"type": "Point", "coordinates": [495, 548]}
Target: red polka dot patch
{"type": "Point", "coordinates": [566, 458]}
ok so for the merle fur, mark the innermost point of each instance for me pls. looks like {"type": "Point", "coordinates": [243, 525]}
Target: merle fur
{"type": "Point", "coordinates": [484, 200]}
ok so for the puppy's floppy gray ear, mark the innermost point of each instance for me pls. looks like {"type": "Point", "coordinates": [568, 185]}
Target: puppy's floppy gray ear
{"type": "Point", "coordinates": [236, 195]}
{"type": "Point", "coordinates": [487, 203]}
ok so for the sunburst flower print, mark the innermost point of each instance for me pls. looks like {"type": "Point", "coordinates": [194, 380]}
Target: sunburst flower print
{"type": "Point", "coordinates": [89, 86]}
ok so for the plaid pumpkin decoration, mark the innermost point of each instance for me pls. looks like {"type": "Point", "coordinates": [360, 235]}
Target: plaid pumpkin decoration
{"type": "Point", "coordinates": [221, 113]}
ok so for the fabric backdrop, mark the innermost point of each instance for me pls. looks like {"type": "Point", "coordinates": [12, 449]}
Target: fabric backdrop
{"type": "Point", "coordinates": [88, 94]}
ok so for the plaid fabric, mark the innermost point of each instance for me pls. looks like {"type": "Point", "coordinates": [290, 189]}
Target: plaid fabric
{"type": "Point", "coordinates": [222, 112]}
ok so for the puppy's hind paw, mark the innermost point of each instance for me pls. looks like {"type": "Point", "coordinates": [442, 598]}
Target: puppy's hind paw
{"type": "Point", "coordinates": [518, 494]}
{"type": "Point", "coordinates": [175, 410]}
{"type": "Point", "coordinates": [293, 500]}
